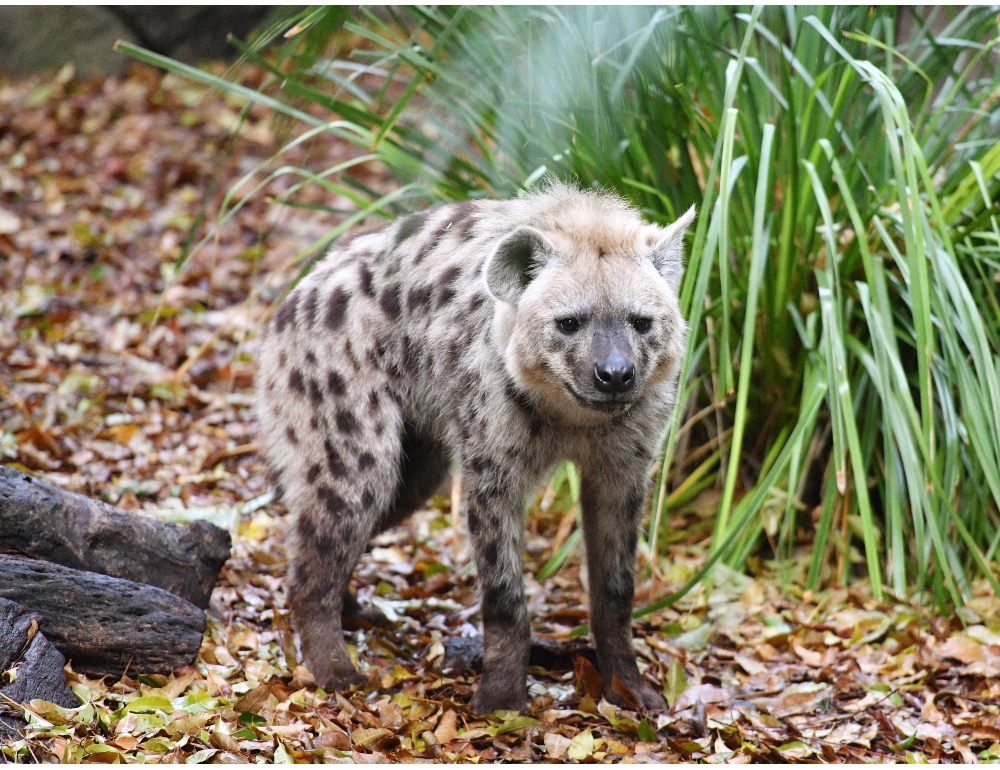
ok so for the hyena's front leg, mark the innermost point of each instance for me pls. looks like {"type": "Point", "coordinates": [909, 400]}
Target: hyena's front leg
{"type": "Point", "coordinates": [496, 527]}
{"type": "Point", "coordinates": [612, 512]}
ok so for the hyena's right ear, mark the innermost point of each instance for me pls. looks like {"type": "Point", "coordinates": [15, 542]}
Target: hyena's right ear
{"type": "Point", "coordinates": [515, 261]}
{"type": "Point", "coordinates": [668, 254]}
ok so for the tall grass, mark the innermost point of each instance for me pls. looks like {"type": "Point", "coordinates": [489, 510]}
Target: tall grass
{"type": "Point", "coordinates": [841, 387]}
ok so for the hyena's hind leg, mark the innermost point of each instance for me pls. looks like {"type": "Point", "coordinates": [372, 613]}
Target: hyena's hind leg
{"type": "Point", "coordinates": [424, 466]}
{"type": "Point", "coordinates": [337, 502]}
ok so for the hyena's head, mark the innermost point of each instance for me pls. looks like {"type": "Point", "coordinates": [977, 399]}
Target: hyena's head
{"type": "Point", "coordinates": [587, 310]}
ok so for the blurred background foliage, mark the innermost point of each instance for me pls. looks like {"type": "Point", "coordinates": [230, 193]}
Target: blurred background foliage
{"type": "Point", "coordinates": [839, 414]}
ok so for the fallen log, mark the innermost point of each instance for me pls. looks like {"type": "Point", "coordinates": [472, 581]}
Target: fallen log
{"type": "Point", "coordinates": [104, 624]}
{"type": "Point", "coordinates": [30, 667]}
{"type": "Point", "coordinates": [40, 520]}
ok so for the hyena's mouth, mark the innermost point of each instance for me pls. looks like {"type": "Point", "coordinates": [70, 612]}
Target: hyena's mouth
{"type": "Point", "coordinates": [606, 405]}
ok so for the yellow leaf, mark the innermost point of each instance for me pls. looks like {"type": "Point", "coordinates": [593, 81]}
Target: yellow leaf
{"type": "Point", "coordinates": [517, 723]}
{"type": "Point", "coordinates": [582, 746]}
{"type": "Point", "coordinates": [150, 703]}
{"type": "Point", "coordinates": [676, 682]}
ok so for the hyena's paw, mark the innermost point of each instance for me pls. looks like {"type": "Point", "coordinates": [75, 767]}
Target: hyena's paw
{"type": "Point", "coordinates": [357, 616]}
{"type": "Point", "coordinates": [345, 681]}
{"type": "Point", "coordinates": [496, 693]}
{"type": "Point", "coordinates": [643, 693]}
{"type": "Point", "coordinates": [334, 678]}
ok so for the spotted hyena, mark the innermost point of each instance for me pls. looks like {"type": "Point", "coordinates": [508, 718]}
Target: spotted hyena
{"type": "Point", "coordinates": [509, 335]}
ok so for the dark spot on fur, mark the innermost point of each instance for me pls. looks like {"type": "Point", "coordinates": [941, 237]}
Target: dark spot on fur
{"type": "Point", "coordinates": [601, 252]}
{"type": "Point", "coordinates": [367, 498]}
{"type": "Point", "coordinates": [473, 519]}
{"type": "Point", "coordinates": [447, 283]}
{"type": "Point", "coordinates": [333, 503]}
{"type": "Point", "coordinates": [499, 606]}
{"type": "Point", "coordinates": [313, 473]}
{"type": "Point", "coordinates": [349, 355]}
{"type": "Point", "coordinates": [490, 554]}
{"type": "Point", "coordinates": [389, 301]}
{"type": "Point", "coordinates": [314, 422]}
{"type": "Point", "coordinates": [290, 433]}
{"type": "Point", "coordinates": [408, 227]}
{"type": "Point", "coordinates": [484, 497]}
{"type": "Point", "coordinates": [365, 461]}
{"type": "Point", "coordinates": [315, 394]}
{"type": "Point", "coordinates": [377, 430]}
{"type": "Point", "coordinates": [336, 308]}
{"type": "Point", "coordinates": [346, 422]}
{"type": "Point", "coordinates": [520, 399]}
{"type": "Point", "coordinates": [480, 464]}
{"type": "Point", "coordinates": [296, 382]}
{"type": "Point", "coordinates": [311, 358]}
{"type": "Point", "coordinates": [282, 360]}
{"type": "Point", "coordinates": [309, 306]}
{"type": "Point", "coordinates": [432, 242]}
{"type": "Point", "coordinates": [464, 219]}
{"type": "Point", "coordinates": [377, 355]}
{"type": "Point", "coordinates": [419, 297]}
{"type": "Point", "coordinates": [476, 302]}
{"type": "Point", "coordinates": [306, 528]}
{"type": "Point", "coordinates": [335, 384]}
{"type": "Point", "coordinates": [333, 461]}
{"type": "Point", "coordinates": [373, 405]}
{"type": "Point", "coordinates": [285, 315]}
{"type": "Point", "coordinates": [366, 279]}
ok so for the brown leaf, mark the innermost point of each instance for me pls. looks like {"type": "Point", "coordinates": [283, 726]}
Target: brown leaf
{"type": "Point", "coordinates": [447, 728]}
{"type": "Point", "coordinates": [333, 738]}
{"type": "Point", "coordinates": [254, 700]}
{"type": "Point", "coordinates": [801, 698]}
{"type": "Point", "coordinates": [622, 690]}
{"type": "Point", "coordinates": [961, 647]}
{"type": "Point", "coordinates": [809, 657]}
{"type": "Point", "coordinates": [302, 677]}
{"type": "Point", "coordinates": [588, 680]}
{"type": "Point", "coordinates": [224, 741]}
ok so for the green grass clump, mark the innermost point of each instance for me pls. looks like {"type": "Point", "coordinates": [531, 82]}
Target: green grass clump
{"type": "Point", "coordinates": [841, 285]}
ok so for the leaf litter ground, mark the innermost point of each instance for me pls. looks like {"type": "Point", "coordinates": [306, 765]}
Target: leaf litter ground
{"type": "Point", "coordinates": [103, 185]}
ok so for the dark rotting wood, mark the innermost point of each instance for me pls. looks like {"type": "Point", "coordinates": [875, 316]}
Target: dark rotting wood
{"type": "Point", "coordinates": [104, 624]}
{"type": "Point", "coordinates": [42, 521]}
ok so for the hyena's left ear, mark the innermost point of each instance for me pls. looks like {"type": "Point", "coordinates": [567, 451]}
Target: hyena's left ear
{"type": "Point", "coordinates": [667, 255]}
{"type": "Point", "coordinates": [515, 261]}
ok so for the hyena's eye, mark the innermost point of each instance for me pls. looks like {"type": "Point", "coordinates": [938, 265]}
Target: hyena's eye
{"type": "Point", "coordinates": [568, 325]}
{"type": "Point", "coordinates": [642, 325]}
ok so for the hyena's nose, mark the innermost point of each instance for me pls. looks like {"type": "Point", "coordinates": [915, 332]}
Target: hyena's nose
{"type": "Point", "coordinates": [614, 374]}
